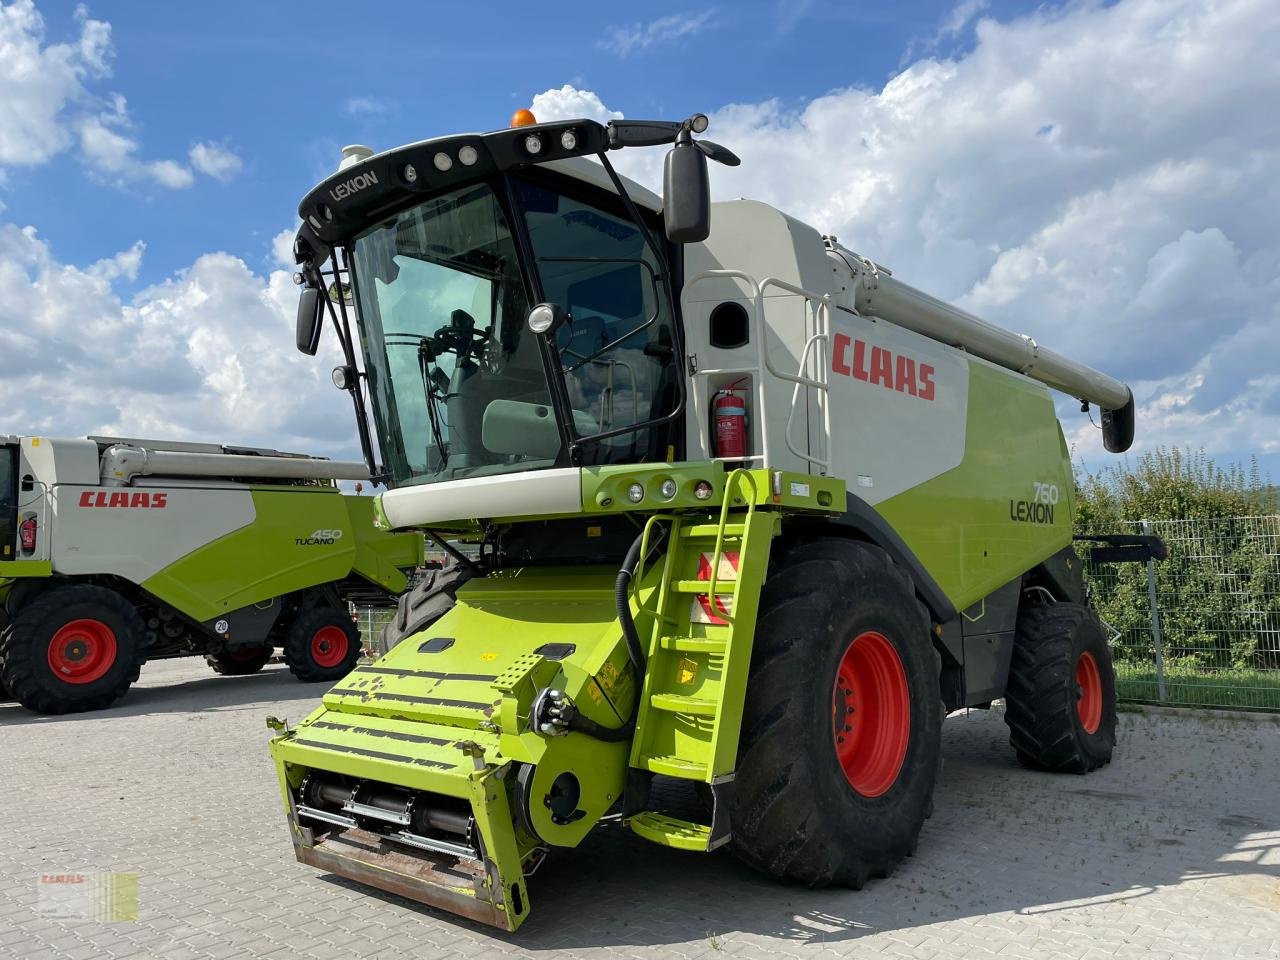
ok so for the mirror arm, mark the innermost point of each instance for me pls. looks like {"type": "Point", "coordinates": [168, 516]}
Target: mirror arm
{"type": "Point", "coordinates": [348, 352]}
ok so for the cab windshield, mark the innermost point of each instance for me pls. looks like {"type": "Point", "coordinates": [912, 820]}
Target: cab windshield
{"type": "Point", "coordinates": [459, 385]}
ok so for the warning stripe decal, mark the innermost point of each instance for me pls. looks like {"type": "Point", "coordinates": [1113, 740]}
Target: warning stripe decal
{"type": "Point", "coordinates": [701, 610]}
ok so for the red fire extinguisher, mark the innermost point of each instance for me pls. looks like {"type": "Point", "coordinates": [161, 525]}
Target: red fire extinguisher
{"type": "Point", "coordinates": [730, 412]}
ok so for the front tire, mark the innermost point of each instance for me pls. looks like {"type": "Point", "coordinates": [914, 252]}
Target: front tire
{"type": "Point", "coordinates": [322, 644]}
{"type": "Point", "coordinates": [1061, 697]}
{"type": "Point", "coordinates": [427, 602]}
{"type": "Point", "coordinates": [841, 735]}
{"type": "Point", "coordinates": [72, 649]}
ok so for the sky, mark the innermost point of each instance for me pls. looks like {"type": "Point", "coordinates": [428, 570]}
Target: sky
{"type": "Point", "coordinates": [1100, 176]}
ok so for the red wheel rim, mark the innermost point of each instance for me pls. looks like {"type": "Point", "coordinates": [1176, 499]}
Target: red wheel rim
{"type": "Point", "coordinates": [329, 646]}
{"type": "Point", "coordinates": [82, 651]}
{"type": "Point", "coordinates": [1089, 692]}
{"type": "Point", "coordinates": [871, 714]}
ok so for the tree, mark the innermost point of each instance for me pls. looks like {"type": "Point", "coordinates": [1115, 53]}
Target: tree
{"type": "Point", "coordinates": [1219, 590]}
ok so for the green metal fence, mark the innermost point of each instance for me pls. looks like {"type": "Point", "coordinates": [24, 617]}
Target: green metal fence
{"type": "Point", "coordinates": [1201, 628]}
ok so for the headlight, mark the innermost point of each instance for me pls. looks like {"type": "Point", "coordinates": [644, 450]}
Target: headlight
{"type": "Point", "coordinates": [533, 144]}
{"type": "Point", "coordinates": [635, 493]}
{"type": "Point", "coordinates": [541, 318]}
{"type": "Point", "coordinates": [569, 140]}
{"type": "Point", "coordinates": [703, 490]}
{"type": "Point", "coordinates": [443, 162]}
{"type": "Point", "coordinates": [468, 156]}
{"type": "Point", "coordinates": [668, 489]}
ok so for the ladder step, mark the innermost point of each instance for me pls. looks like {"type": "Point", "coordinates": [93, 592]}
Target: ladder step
{"type": "Point", "coordinates": [676, 703]}
{"type": "Point", "coordinates": [710, 530]}
{"type": "Point", "coordinates": [678, 767]}
{"type": "Point", "coordinates": [671, 832]}
{"type": "Point", "coordinates": [694, 644]}
{"type": "Point", "coordinates": [702, 586]}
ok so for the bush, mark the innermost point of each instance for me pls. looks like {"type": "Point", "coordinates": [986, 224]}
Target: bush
{"type": "Point", "coordinates": [1219, 590]}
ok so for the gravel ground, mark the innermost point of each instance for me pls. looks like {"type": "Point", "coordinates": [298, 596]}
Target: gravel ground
{"type": "Point", "coordinates": [1172, 851]}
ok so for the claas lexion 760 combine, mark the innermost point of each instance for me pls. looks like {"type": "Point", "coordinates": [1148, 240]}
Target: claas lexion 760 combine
{"type": "Point", "coordinates": [750, 513]}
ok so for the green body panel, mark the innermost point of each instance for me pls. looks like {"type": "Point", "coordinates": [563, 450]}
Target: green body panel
{"type": "Point", "coordinates": [11, 570]}
{"type": "Point", "coordinates": [963, 524]}
{"type": "Point", "coordinates": [268, 558]}
{"type": "Point", "coordinates": [381, 558]}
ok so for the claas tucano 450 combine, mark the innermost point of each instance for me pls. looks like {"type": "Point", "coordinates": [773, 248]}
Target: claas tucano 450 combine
{"type": "Point", "coordinates": [749, 512]}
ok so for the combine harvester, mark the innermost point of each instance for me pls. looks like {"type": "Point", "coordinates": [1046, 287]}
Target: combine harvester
{"type": "Point", "coordinates": [114, 552]}
{"type": "Point", "coordinates": [750, 511]}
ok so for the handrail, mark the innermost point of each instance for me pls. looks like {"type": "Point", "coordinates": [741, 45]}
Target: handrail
{"type": "Point", "coordinates": [644, 552]}
{"type": "Point", "coordinates": [735, 476]}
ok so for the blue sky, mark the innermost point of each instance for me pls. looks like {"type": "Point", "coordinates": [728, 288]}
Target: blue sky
{"type": "Point", "coordinates": [1098, 175]}
{"type": "Point", "coordinates": [282, 85]}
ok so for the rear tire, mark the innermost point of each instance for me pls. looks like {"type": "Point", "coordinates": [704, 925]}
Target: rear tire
{"type": "Point", "coordinates": [422, 606]}
{"type": "Point", "coordinates": [322, 644]}
{"type": "Point", "coordinates": [240, 661]}
{"type": "Point", "coordinates": [72, 649]}
{"type": "Point", "coordinates": [1061, 698]}
{"type": "Point", "coordinates": [826, 794]}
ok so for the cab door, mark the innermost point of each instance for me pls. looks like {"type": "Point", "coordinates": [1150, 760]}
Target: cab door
{"type": "Point", "coordinates": [8, 501]}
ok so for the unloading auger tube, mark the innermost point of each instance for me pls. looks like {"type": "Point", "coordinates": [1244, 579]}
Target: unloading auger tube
{"type": "Point", "coordinates": [877, 293]}
{"type": "Point", "coordinates": [122, 462]}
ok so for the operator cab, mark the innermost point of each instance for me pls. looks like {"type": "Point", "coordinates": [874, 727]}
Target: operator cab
{"type": "Point", "coordinates": [442, 249]}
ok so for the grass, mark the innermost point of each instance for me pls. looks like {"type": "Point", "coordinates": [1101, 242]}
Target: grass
{"type": "Point", "coordinates": [1235, 689]}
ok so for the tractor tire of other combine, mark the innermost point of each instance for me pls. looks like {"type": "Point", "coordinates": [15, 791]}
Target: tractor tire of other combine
{"type": "Point", "coordinates": [841, 735]}
{"type": "Point", "coordinates": [1061, 697]}
{"type": "Point", "coordinates": [72, 649]}
{"type": "Point", "coordinates": [322, 644]}
{"type": "Point", "coordinates": [240, 661]}
{"type": "Point", "coordinates": [423, 605]}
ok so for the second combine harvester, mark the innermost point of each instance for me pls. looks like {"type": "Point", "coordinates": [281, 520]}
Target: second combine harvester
{"type": "Point", "coordinates": [751, 513]}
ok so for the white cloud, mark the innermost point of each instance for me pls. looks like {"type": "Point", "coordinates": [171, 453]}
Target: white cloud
{"type": "Point", "coordinates": [38, 83]}
{"type": "Point", "coordinates": [215, 160]}
{"type": "Point", "coordinates": [207, 354]}
{"type": "Point", "coordinates": [570, 103]}
{"type": "Point", "coordinates": [636, 37]}
{"type": "Point", "coordinates": [47, 105]}
{"type": "Point", "coordinates": [961, 16]}
{"type": "Point", "coordinates": [282, 249]}
{"type": "Point", "coordinates": [1097, 176]}
{"type": "Point", "coordinates": [365, 107]}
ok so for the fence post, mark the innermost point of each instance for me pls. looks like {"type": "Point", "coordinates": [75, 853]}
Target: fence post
{"type": "Point", "coordinates": [1156, 633]}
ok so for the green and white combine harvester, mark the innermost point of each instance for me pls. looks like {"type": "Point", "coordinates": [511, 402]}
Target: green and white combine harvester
{"type": "Point", "coordinates": [114, 552]}
{"type": "Point", "coordinates": [750, 513]}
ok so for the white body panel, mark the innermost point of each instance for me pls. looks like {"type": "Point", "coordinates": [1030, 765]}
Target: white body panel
{"type": "Point", "coordinates": [530, 493]}
{"type": "Point", "coordinates": [896, 400]}
{"type": "Point", "coordinates": [899, 406]}
{"type": "Point", "coordinates": [136, 532]}
{"type": "Point", "coordinates": [764, 243]}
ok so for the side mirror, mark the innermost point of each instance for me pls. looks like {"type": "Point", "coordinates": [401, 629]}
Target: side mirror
{"type": "Point", "coordinates": [686, 193]}
{"type": "Point", "coordinates": [308, 329]}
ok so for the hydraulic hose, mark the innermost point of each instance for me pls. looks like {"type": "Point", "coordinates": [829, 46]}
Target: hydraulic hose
{"type": "Point", "coordinates": [635, 651]}
{"type": "Point", "coordinates": [622, 601]}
